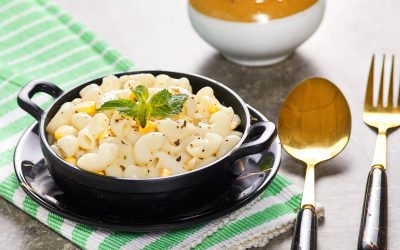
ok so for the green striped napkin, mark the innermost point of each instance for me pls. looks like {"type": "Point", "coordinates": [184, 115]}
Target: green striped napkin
{"type": "Point", "coordinates": [38, 40]}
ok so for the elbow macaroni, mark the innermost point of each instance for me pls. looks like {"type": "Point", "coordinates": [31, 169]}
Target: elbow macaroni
{"type": "Point", "coordinates": [99, 161]}
{"type": "Point", "coordinates": [114, 145]}
{"type": "Point", "coordinates": [146, 145]}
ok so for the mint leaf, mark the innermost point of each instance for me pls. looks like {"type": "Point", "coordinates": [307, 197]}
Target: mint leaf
{"type": "Point", "coordinates": [176, 103]}
{"type": "Point", "coordinates": [141, 93]}
{"type": "Point", "coordinates": [163, 103]}
{"type": "Point", "coordinates": [143, 113]}
{"type": "Point", "coordinates": [124, 106]}
{"type": "Point", "coordinates": [159, 103]}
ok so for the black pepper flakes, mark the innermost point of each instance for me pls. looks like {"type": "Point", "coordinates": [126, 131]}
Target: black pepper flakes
{"type": "Point", "coordinates": [177, 142]}
{"type": "Point", "coordinates": [179, 158]}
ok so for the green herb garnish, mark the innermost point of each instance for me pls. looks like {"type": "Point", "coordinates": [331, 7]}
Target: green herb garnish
{"type": "Point", "coordinates": [162, 104]}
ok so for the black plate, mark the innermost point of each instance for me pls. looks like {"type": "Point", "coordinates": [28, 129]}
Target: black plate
{"type": "Point", "coordinates": [32, 172]}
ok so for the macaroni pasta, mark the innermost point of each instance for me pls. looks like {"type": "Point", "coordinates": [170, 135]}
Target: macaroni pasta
{"type": "Point", "coordinates": [112, 144]}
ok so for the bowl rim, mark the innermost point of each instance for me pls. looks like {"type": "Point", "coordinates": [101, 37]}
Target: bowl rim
{"type": "Point", "coordinates": [77, 170]}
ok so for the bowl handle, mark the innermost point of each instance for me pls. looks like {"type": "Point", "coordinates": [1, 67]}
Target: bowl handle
{"type": "Point", "coordinates": [29, 90]}
{"type": "Point", "coordinates": [260, 137]}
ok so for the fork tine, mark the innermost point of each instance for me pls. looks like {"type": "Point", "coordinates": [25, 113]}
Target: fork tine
{"type": "Point", "coordinates": [390, 96]}
{"type": "Point", "coordinates": [380, 98]}
{"type": "Point", "coordinates": [398, 98]}
{"type": "Point", "coordinates": [369, 95]}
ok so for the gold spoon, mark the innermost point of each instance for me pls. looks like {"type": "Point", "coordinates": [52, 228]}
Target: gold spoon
{"type": "Point", "coordinates": [314, 126]}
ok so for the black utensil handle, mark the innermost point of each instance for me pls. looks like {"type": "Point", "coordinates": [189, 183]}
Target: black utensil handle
{"type": "Point", "coordinates": [29, 90]}
{"type": "Point", "coordinates": [260, 137]}
{"type": "Point", "coordinates": [373, 228]}
{"type": "Point", "coordinates": [305, 230]}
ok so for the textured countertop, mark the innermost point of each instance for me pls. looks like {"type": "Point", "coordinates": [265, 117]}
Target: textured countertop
{"type": "Point", "coordinates": [157, 34]}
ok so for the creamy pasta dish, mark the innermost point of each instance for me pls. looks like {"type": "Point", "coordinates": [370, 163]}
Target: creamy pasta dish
{"type": "Point", "coordinates": [143, 126]}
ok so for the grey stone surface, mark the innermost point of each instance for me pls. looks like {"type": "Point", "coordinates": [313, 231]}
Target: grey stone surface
{"type": "Point", "coordinates": [19, 231]}
{"type": "Point", "coordinates": [157, 34]}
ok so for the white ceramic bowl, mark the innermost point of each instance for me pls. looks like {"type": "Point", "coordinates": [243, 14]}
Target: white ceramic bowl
{"type": "Point", "coordinates": [259, 43]}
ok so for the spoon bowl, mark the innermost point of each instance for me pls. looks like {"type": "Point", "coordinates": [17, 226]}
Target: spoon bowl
{"type": "Point", "coordinates": [314, 126]}
{"type": "Point", "coordinates": [314, 121]}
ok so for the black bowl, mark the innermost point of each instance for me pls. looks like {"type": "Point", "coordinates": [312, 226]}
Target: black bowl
{"type": "Point", "coordinates": [33, 174]}
{"type": "Point", "coordinates": [143, 195]}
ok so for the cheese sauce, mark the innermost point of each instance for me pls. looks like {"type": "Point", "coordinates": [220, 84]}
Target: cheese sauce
{"type": "Point", "coordinates": [250, 10]}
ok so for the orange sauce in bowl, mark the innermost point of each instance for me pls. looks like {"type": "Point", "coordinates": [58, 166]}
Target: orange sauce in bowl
{"type": "Point", "coordinates": [250, 10]}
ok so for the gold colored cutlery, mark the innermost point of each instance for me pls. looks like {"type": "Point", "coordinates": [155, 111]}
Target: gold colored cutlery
{"type": "Point", "coordinates": [314, 126]}
{"type": "Point", "coordinates": [373, 228]}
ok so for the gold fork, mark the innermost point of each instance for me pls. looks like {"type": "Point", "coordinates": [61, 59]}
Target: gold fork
{"type": "Point", "coordinates": [373, 228]}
